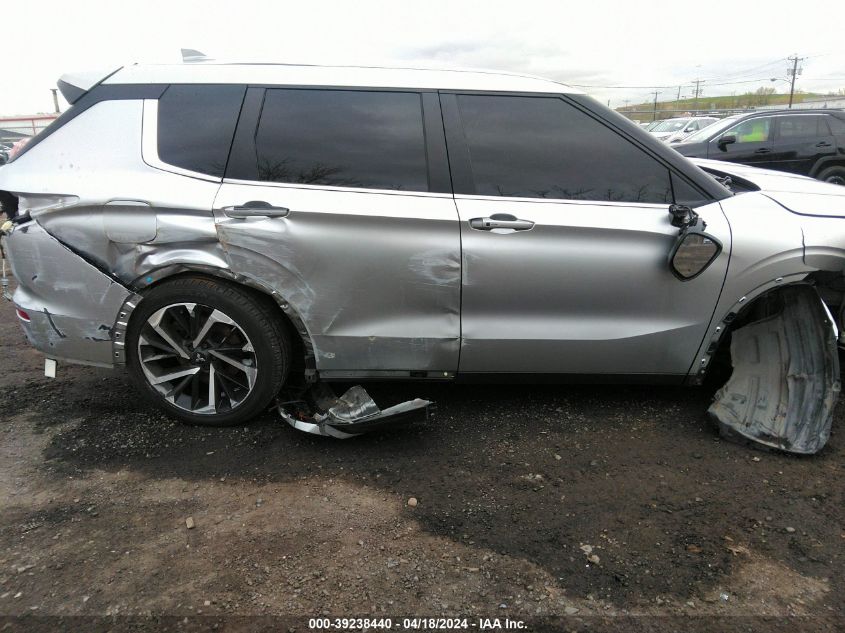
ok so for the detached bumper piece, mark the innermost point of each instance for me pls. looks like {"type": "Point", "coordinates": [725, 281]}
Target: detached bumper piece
{"type": "Point", "coordinates": [353, 413]}
{"type": "Point", "coordinates": [785, 380]}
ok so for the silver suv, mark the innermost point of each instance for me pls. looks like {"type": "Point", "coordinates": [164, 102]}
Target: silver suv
{"type": "Point", "coordinates": [230, 232]}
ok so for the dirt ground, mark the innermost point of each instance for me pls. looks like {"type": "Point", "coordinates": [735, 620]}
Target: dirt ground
{"type": "Point", "coordinates": [573, 507]}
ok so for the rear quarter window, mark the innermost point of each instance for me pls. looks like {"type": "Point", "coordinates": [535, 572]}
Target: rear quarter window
{"type": "Point", "coordinates": [196, 124]}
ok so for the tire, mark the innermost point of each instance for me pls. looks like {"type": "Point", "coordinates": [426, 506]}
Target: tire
{"type": "Point", "coordinates": [834, 175]}
{"type": "Point", "coordinates": [207, 352]}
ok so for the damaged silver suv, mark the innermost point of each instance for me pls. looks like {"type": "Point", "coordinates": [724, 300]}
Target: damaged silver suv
{"type": "Point", "coordinates": [238, 235]}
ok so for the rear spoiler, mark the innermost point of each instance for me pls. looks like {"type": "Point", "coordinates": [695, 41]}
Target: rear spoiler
{"type": "Point", "coordinates": [74, 85]}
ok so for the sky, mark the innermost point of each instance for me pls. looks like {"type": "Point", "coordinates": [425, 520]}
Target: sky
{"type": "Point", "coordinates": [733, 46]}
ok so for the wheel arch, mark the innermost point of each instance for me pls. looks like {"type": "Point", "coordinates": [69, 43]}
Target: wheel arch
{"type": "Point", "coordinates": [304, 358]}
{"type": "Point", "coordinates": [829, 286]}
{"type": "Point", "coordinates": [825, 162]}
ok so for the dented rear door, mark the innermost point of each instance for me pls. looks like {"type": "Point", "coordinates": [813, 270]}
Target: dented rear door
{"type": "Point", "coordinates": [339, 200]}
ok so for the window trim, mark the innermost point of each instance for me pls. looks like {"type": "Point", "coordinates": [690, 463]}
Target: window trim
{"type": "Point", "coordinates": [338, 188]}
{"type": "Point", "coordinates": [590, 203]}
{"type": "Point", "coordinates": [461, 164]}
{"type": "Point", "coordinates": [244, 150]}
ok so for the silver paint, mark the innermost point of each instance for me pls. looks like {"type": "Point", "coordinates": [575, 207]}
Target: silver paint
{"type": "Point", "coordinates": [374, 277]}
{"type": "Point", "coordinates": [587, 290]}
{"type": "Point", "coordinates": [304, 75]}
{"type": "Point", "coordinates": [71, 315]}
{"type": "Point", "coordinates": [348, 415]}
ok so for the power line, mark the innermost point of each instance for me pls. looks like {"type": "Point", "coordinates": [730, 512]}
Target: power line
{"type": "Point", "coordinates": [673, 86]}
{"type": "Point", "coordinates": [741, 73]}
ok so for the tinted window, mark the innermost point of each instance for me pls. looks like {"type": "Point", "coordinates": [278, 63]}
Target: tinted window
{"type": "Point", "coordinates": [837, 125]}
{"type": "Point", "coordinates": [346, 138]}
{"type": "Point", "coordinates": [752, 131]}
{"type": "Point", "coordinates": [799, 126]}
{"type": "Point", "coordinates": [196, 124]}
{"type": "Point", "coordinates": [542, 147]}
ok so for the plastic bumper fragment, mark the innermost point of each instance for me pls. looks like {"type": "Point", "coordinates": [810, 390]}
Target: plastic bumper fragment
{"type": "Point", "coordinates": [351, 414]}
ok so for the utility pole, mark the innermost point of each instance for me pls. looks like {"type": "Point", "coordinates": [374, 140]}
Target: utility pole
{"type": "Point", "coordinates": [698, 92]}
{"type": "Point", "coordinates": [792, 72]}
{"type": "Point", "coordinates": [654, 113]}
{"type": "Point", "coordinates": [679, 93]}
{"type": "Point", "coordinates": [55, 99]}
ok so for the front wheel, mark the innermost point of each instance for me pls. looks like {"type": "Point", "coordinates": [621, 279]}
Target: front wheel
{"type": "Point", "coordinates": [834, 175]}
{"type": "Point", "coordinates": [207, 352]}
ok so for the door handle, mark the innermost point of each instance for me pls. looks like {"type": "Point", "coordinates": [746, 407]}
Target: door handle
{"type": "Point", "coordinates": [501, 221]}
{"type": "Point", "coordinates": [823, 144]}
{"type": "Point", "coordinates": [762, 150]}
{"type": "Point", "coordinates": [255, 209]}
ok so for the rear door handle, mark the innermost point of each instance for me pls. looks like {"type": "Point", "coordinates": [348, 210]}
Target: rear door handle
{"type": "Point", "coordinates": [256, 209]}
{"type": "Point", "coordinates": [823, 144]}
{"type": "Point", "coordinates": [501, 221]}
{"type": "Point", "coordinates": [762, 150]}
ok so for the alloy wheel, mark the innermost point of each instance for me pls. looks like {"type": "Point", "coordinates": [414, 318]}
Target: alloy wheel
{"type": "Point", "coordinates": [197, 358]}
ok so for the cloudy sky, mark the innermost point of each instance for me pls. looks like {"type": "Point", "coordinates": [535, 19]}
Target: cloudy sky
{"type": "Point", "coordinates": [733, 46]}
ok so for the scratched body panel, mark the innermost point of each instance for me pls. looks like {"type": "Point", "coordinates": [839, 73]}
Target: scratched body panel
{"type": "Point", "coordinates": [71, 315]}
{"type": "Point", "coordinates": [375, 278]}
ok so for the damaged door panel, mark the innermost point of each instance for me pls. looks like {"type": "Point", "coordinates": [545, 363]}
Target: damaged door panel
{"type": "Point", "coordinates": [378, 283]}
{"type": "Point", "coordinates": [785, 379]}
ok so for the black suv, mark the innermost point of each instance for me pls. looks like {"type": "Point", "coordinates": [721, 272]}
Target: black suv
{"type": "Point", "coordinates": [806, 142]}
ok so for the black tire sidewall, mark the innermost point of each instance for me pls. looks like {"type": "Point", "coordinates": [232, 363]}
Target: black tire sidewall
{"type": "Point", "coordinates": [833, 171]}
{"type": "Point", "coordinates": [265, 333]}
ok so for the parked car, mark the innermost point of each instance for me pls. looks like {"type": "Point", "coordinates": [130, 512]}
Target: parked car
{"type": "Point", "coordinates": [650, 125]}
{"type": "Point", "coordinates": [238, 235]}
{"type": "Point", "coordinates": [806, 142]}
{"type": "Point", "coordinates": [672, 130]}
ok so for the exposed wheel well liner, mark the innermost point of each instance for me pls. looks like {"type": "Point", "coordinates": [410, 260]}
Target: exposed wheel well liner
{"type": "Point", "coordinates": [785, 378]}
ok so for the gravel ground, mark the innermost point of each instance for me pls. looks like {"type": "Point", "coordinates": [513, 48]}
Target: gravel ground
{"type": "Point", "coordinates": [577, 507]}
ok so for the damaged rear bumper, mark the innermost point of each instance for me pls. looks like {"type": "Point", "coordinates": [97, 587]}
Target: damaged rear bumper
{"type": "Point", "coordinates": [71, 307]}
{"type": "Point", "coordinates": [351, 414]}
{"type": "Point", "coordinates": [785, 379]}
